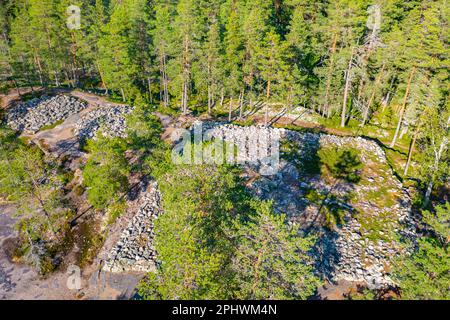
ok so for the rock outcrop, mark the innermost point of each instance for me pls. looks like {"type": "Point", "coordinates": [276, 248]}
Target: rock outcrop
{"type": "Point", "coordinates": [360, 248]}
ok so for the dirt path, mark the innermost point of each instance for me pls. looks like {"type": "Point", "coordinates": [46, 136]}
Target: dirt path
{"type": "Point", "coordinates": [14, 96]}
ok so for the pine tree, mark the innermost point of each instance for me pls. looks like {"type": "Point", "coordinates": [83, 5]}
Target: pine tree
{"type": "Point", "coordinates": [162, 34]}
{"type": "Point", "coordinates": [209, 67]}
{"type": "Point", "coordinates": [425, 274]}
{"type": "Point", "coordinates": [254, 29]}
{"type": "Point", "coordinates": [271, 260]}
{"type": "Point", "coordinates": [115, 47]}
{"type": "Point", "coordinates": [193, 251]}
{"type": "Point", "coordinates": [435, 142]}
{"type": "Point", "coordinates": [234, 53]}
{"type": "Point", "coordinates": [305, 42]}
{"type": "Point", "coordinates": [274, 70]}
{"type": "Point", "coordinates": [187, 33]}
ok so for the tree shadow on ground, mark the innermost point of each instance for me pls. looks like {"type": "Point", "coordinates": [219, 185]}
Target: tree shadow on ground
{"type": "Point", "coordinates": [342, 168]}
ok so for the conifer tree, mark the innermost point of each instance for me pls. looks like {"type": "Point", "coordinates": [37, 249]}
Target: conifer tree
{"type": "Point", "coordinates": [115, 47]}
{"type": "Point", "coordinates": [271, 260]}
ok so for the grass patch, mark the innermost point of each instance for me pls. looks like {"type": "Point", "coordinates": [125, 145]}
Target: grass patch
{"type": "Point", "coordinates": [115, 210]}
{"type": "Point", "coordinates": [382, 197]}
{"type": "Point", "coordinates": [377, 227]}
{"type": "Point", "coordinates": [51, 126]}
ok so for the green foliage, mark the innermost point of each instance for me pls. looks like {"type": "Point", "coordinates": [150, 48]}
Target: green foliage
{"type": "Point", "coordinates": [143, 129]}
{"type": "Point", "coordinates": [425, 274]}
{"type": "Point", "coordinates": [33, 184]}
{"type": "Point", "coordinates": [115, 210]}
{"type": "Point", "coordinates": [199, 205]}
{"type": "Point", "coordinates": [105, 174]}
{"type": "Point", "coordinates": [439, 221]}
{"type": "Point", "coordinates": [344, 164]}
{"type": "Point", "coordinates": [270, 261]}
{"type": "Point", "coordinates": [51, 126]}
{"type": "Point", "coordinates": [204, 251]}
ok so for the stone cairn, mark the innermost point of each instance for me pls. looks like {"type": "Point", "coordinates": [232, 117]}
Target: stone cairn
{"type": "Point", "coordinates": [340, 254]}
{"type": "Point", "coordinates": [32, 115]}
{"type": "Point", "coordinates": [111, 119]}
{"type": "Point", "coordinates": [348, 255]}
{"type": "Point", "coordinates": [135, 251]}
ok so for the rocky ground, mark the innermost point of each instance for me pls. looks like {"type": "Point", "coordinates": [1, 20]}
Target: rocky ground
{"type": "Point", "coordinates": [110, 118]}
{"type": "Point", "coordinates": [360, 248]}
{"type": "Point", "coordinates": [32, 115]}
{"type": "Point", "coordinates": [134, 251]}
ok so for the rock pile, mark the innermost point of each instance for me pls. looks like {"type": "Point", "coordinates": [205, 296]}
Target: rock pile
{"type": "Point", "coordinates": [345, 253]}
{"type": "Point", "coordinates": [111, 119]}
{"type": "Point", "coordinates": [134, 251]}
{"type": "Point", "coordinates": [37, 113]}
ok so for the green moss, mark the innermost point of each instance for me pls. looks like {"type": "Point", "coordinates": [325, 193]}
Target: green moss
{"type": "Point", "coordinates": [115, 210]}
{"type": "Point", "coordinates": [51, 126]}
{"type": "Point", "coordinates": [91, 240]}
{"type": "Point", "coordinates": [381, 197]}
{"type": "Point", "coordinates": [377, 227]}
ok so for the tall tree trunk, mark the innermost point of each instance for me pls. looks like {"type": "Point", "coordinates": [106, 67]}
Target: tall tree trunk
{"type": "Point", "coordinates": [266, 114]}
{"type": "Point", "coordinates": [38, 62]}
{"type": "Point", "coordinates": [186, 70]}
{"type": "Point", "coordinates": [385, 100]}
{"type": "Point", "coordinates": [411, 148]}
{"type": "Point", "coordinates": [222, 96]}
{"type": "Point", "coordinates": [437, 159]}
{"type": "Point", "coordinates": [330, 74]}
{"type": "Point", "coordinates": [209, 100]}
{"type": "Point", "coordinates": [185, 97]}
{"type": "Point", "coordinates": [230, 109]}
{"type": "Point", "coordinates": [346, 90]}
{"type": "Point", "coordinates": [56, 78]}
{"type": "Point", "coordinates": [372, 96]}
{"type": "Point", "coordinates": [101, 75]}
{"type": "Point", "coordinates": [402, 110]}
{"type": "Point", "coordinates": [123, 94]}
{"type": "Point", "coordinates": [149, 85]}
{"type": "Point", "coordinates": [164, 95]}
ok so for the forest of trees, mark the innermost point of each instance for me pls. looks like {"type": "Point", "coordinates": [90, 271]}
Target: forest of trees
{"type": "Point", "coordinates": [351, 63]}
{"type": "Point", "coordinates": [344, 59]}
{"type": "Point", "coordinates": [336, 57]}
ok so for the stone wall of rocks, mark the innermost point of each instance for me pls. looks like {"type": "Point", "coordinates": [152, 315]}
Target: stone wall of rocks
{"type": "Point", "coordinates": [110, 118]}
{"type": "Point", "coordinates": [134, 251]}
{"type": "Point", "coordinates": [344, 253]}
{"type": "Point", "coordinates": [32, 115]}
